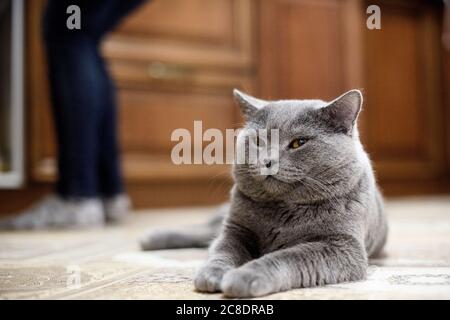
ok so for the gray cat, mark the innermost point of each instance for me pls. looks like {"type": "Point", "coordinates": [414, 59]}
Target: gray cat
{"type": "Point", "coordinates": [315, 222]}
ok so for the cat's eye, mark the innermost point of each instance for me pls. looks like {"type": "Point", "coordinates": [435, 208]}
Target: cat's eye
{"type": "Point", "coordinates": [297, 143]}
{"type": "Point", "coordinates": [257, 141]}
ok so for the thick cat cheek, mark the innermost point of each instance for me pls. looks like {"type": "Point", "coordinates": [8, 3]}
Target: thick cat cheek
{"type": "Point", "coordinates": [257, 176]}
{"type": "Point", "coordinates": [246, 172]}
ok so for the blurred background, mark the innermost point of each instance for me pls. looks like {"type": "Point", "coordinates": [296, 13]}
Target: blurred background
{"type": "Point", "coordinates": [176, 61]}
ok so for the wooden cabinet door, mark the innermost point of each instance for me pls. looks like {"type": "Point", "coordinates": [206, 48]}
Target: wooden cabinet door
{"type": "Point", "coordinates": [320, 49]}
{"type": "Point", "coordinates": [203, 33]}
{"type": "Point", "coordinates": [404, 106]}
{"type": "Point", "coordinates": [310, 49]}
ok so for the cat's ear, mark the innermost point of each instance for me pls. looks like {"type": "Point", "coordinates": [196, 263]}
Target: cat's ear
{"type": "Point", "coordinates": [248, 104]}
{"type": "Point", "coordinates": [342, 112]}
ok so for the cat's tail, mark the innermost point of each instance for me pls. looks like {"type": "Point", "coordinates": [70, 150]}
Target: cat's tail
{"type": "Point", "coordinates": [199, 236]}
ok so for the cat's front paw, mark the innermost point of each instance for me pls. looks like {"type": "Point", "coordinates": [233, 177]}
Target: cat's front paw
{"type": "Point", "coordinates": [245, 283]}
{"type": "Point", "coordinates": [208, 279]}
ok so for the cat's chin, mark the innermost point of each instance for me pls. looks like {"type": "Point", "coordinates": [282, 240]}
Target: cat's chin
{"type": "Point", "coordinates": [274, 185]}
{"type": "Point", "coordinates": [272, 179]}
{"type": "Point", "coordinates": [275, 179]}
{"type": "Point", "coordinates": [267, 180]}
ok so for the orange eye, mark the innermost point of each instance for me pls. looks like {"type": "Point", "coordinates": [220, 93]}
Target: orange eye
{"type": "Point", "coordinates": [297, 143]}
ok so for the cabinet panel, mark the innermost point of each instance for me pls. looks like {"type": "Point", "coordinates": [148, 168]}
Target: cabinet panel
{"type": "Point", "coordinates": [194, 20]}
{"type": "Point", "coordinates": [304, 48]}
{"type": "Point", "coordinates": [404, 94]}
{"type": "Point", "coordinates": [147, 119]}
{"type": "Point", "coordinates": [201, 33]}
{"type": "Point", "coordinates": [396, 95]}
{"type": "Point", "coordinates": [318, 49]}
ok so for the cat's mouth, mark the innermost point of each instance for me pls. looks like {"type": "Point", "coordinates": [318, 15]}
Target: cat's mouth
{"type": "Point", "coordinates": [272, 178]}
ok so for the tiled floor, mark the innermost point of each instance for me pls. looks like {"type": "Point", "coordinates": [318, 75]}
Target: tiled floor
{"type": "Point", "coordinates": [107, 264]}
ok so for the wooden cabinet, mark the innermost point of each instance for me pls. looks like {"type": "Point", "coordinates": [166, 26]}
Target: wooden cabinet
{"type": "Point", "coordinates": [404, 109]}
{"type": "Point", "coordinates": [311, 49]}
{"type": "Point", "coordinates": [177, 61]}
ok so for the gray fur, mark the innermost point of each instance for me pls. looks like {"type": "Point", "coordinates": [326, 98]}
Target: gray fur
{"type": "Point", "coordinates": [315, 222]}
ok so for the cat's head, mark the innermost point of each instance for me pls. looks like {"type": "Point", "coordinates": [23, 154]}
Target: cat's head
{"type": "Point", "coordinates": [319, 152]}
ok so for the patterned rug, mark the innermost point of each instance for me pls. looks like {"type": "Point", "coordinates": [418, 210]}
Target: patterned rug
{"type": "Point", "coordinates": [107, 263]}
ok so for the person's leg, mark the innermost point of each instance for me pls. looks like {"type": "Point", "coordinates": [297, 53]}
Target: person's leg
{"type": "Point", "coordinates": [76, 88]}
{"type": "Point", "coordinates": [108, 167]}
{"type": "Point", "coordinates": [83, 97]}
{"type": "Point", "coordinates": [84, 112]}
{"type": "Point", "coordinates": [115, 202]}
{"type": "Point", "coordinates": [76, 91]}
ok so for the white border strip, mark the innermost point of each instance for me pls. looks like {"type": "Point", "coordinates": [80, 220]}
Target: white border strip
{"type": "Point", "coordinates": [15, 178]}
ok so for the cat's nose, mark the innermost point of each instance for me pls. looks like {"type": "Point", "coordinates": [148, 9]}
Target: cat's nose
{"type": "Point", "coordinates": [268, 163]}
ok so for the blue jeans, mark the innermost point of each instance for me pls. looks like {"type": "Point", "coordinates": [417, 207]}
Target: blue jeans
{"type": "Point", "coordinates": [83, 97]}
